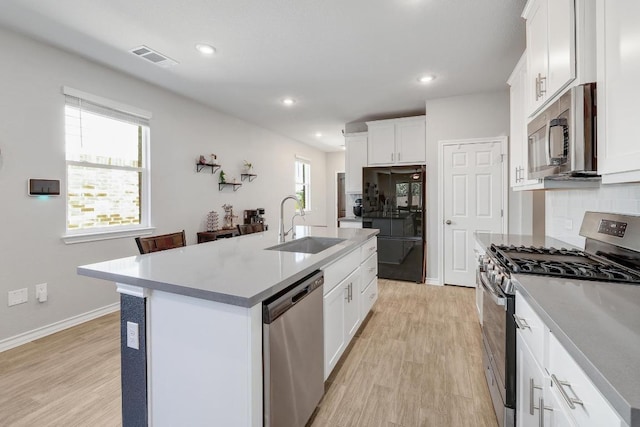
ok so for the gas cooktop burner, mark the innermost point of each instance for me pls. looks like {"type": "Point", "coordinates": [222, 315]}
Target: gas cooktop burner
{"type": "Point", "coordinates": [568, 263]}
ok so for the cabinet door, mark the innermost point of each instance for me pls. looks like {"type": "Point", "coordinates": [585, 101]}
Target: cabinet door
{"type": "Point", "coordinates": [411, 141]}
{"type": "Point", "coordinates": [530, 386]}
{"type": "Point", "coordinates": [381, 146]}
{"type": "Point", "coordinates": [618, 90]}
{"type": "Point", "coordinates": [352, 304]}
{"type": "Point", "coordinates": [518, 155]}
{"type": "Point", "coordinates": [561, 42]}
{"type": "Point", "coordinates": [537, 61]}
{"type": "Point", "coordinates": [355, 160]}
{"type": "Point", "coordinates": [334, 327]}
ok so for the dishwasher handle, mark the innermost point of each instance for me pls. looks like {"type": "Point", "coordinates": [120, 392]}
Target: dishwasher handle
{"type": "Point", "coordinates": [280, 303]}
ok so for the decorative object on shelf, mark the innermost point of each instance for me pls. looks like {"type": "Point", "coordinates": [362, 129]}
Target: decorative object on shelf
{"type": "Point", "coordinates": [202, 160]}
{"type": "Point", "coordinates": [212, 221]}
{"type": "Point", "coordinates": [247, 167]}
{"type": "Point", "coordinates": [213, 158]}
{"type": "Point", "coordinates": [223, 178]}
{"type": "Point", "coordinates": [228, 216]}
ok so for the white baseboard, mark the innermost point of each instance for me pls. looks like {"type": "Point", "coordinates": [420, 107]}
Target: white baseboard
{"type": "Point", "coordinates": [43, 331]}
{"type": "Point", "coordinates": [432, 281]}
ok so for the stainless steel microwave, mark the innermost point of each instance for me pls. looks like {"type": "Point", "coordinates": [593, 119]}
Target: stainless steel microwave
{"type": "Point", "coordinates": [562, 139]}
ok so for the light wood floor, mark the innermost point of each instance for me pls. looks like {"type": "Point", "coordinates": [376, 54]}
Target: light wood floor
{"type": "Point", "coordinates": [416, 362]}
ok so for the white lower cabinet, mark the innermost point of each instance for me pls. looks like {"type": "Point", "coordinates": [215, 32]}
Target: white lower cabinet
{"type": "Point", "coordinates": [531, 385]}
{"type": "Point", "coordinates": [548, 377]}
{"type": "Point", "coordinates": [576, 394]}
{"type": "Point", "coordinates": [347, 301]}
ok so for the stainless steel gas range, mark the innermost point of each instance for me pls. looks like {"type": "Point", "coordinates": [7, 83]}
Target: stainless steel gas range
{"type": "Point", "coordinates": [611, 255]}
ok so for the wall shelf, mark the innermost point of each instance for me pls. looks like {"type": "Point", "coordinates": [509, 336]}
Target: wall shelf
{"type": "Point", "coordinates": [235, 185]}
{"type": "Point", "coordinates": [214, 166]}
{"type": "Point", "coordinates": [249, 176]}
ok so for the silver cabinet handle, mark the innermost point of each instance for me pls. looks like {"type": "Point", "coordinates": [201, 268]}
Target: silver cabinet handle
{"type": "Point", "coordinates": [399, 155]}
{"type": "Point", "coordinates": [538, 87]}
{"type": "Point", "coordinates": [542, 409]}
{"type": "Point", "coordinates": [532, 388]}
{"type": "Point", "coordinates": [571, 401]}
{"type": "Point", "coordinates": [521, 323]}
{"type": "Point", "coordinates": [346, 297]}
{"type": "Point", "coordinates": [392, 157]}
{"type": "Point", "coordinates": [541, 78]}
{"type": "Point", "coordinates": [350, 292]}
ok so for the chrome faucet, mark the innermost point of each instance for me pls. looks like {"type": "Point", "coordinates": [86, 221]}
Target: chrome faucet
{"type": "Point", "coordinates": [282, 233]}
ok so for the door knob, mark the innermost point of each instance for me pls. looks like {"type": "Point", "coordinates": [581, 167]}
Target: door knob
{"type": "Point", "coordinates": [448, 222]}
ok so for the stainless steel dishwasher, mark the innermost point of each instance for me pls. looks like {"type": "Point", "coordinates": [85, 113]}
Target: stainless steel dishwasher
{"type": "Point", "coordinates": [293, 353]}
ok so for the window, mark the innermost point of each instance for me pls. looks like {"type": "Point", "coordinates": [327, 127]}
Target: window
{"type": "Point", "coordinates": [303, 182]}
{"type": "Point", "coordinates": [107, 166]}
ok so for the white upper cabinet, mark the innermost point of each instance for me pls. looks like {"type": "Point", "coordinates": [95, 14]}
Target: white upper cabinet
{"type": "Point", "coordinates": [397, 141]}
{"type": "Point", "coordinates": [550, 48]}
{"type": "Point", "coordinates": [518, 153]}
{"type": "Point", "coordinates": [561, 49]}
{"type": "Point", "coordinates": [618, 90]}
{"type": "Point", "coordinates": [355, 160]}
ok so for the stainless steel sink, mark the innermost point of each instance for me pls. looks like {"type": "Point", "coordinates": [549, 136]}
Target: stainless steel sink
{"type": "Point", "coordinates": [307, 245]}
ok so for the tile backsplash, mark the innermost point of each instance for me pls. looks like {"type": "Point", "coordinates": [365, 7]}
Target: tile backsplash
{"type": "Point", "coordinates": [565, 209]}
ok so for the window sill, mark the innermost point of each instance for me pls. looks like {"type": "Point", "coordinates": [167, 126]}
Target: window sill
{"type": "Point", "coordinates": [70, 239]}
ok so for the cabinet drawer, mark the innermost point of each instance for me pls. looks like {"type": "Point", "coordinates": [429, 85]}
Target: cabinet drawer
{"type": "Point", "coordinates": [369, 271]}
{"type": "Point", "coordinates": [369, 297]}
{"type": "Point", "coordinates": [575, 386]}
{"type": "Point", "coordinates": [334, 273]}
{"type": "Point", "coordinates": [368, 248]}
{"type": "Point", "coordinates": [530, 326]}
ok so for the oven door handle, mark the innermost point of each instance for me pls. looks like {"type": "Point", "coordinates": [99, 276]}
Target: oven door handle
{"type": "Point", "coordinates": [497, 299]}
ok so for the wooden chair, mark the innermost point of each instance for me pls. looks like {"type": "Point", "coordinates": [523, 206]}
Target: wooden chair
{"type": "Point", "coordinates": [250, 228]}
{"type": "Point", "coordinates": [161, 242]}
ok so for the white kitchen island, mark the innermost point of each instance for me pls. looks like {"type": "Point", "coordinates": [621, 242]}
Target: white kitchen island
{"type": "Point", "coordinates": [198, 313]}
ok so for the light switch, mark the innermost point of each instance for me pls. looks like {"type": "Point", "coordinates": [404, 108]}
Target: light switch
{"type": "Point", "coordinates": [133, 338]}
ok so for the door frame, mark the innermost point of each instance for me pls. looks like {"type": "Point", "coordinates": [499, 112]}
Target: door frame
{"type": "Point", "coordinates": [336, 178]}
{"type": "Point", "coordinates": [503, 140]}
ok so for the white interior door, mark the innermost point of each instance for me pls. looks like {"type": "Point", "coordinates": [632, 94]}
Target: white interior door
{"type": "Point", "coordinates": [473, 201]}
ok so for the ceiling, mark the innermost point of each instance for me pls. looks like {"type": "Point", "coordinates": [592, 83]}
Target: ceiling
{"type": "Point", "coordinates": [343, 61]}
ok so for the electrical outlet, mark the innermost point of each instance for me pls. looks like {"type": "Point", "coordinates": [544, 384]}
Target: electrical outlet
{"type": "Point", "coordinates": [41, 292]}
{"type": "Point", "coordinates": [19, 296]}
{"type": "Point", "coordinates": [133, 339]}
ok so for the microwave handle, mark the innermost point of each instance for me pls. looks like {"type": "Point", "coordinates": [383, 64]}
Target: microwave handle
{"type": "Point", "coordinates": [565, 144]}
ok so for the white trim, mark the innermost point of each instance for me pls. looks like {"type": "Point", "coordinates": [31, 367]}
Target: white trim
{"type": "Point", "coordinates": [503, 140]}
{"type": "Point", "coordinates": [125, 108]}
{"type": "Point", "coordinates": [134, 291]}
{"type": "Point", "coordinates": [70, 239]}
{"type": "Point", "coordinates": [433, 281]}
{"type": "Point", "coordinates": [44, 331]}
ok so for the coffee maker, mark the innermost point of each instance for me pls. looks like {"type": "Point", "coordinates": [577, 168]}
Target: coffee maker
{"type": "Point", "coordinates": [254, 216]}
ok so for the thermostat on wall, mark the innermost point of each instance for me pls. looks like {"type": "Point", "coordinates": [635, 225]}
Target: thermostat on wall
{"type": "Point", "coordinates": [44, 187]}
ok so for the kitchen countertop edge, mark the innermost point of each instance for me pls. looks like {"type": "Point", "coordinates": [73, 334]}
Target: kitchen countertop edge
{"type": "Point", "coordinates": [227, 298]}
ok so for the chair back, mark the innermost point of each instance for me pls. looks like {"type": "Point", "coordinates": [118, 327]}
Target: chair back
{"type": "Point", "coordinates": [161, 242]}
{"type": "Point", "coordinates": [250, 228]}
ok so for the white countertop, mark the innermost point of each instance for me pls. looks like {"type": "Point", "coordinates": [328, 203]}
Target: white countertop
{"type": "Point", "coordinates": [237, 271]}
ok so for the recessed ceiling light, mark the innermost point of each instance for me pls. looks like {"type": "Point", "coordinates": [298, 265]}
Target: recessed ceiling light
{"type": "Point", "coordinates": [205, 49]}
{"type": "Point", "coordinates": [318, 135]}
{"type": "Point", "coordinates": [426, 78]}
{"type": "Point", "coordinates": [288, 101]}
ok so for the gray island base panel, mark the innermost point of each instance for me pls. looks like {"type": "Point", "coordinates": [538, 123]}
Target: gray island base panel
{"type": "Point", "coordinates": [597, 323]}
{"type": "Point", "coordinates": [237, 271]}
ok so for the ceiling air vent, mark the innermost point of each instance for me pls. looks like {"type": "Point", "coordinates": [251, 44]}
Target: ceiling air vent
{"type": "Point", "coordinates": [153, 56]}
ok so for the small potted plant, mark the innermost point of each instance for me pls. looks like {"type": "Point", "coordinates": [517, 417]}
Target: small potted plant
{"type": "Point", "coordinates": [223, 178]}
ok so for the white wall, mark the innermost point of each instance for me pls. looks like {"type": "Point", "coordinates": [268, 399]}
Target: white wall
{"type": "Point", "coordinates": [335, 164]}
{"type": "Point", "coordinates": [460, 117]}
{"type": "Point", "coordinates": [32, 145]}
{"type": "Point", "coordinates": [565, 209]}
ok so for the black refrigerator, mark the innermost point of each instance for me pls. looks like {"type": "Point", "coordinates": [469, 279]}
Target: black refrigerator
{"type": "Point", "coordinates": [393, 201]}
